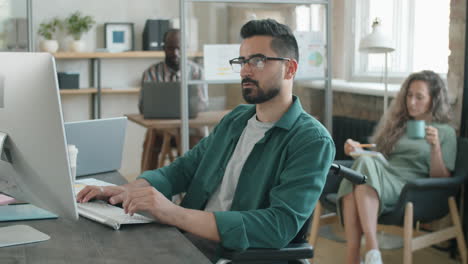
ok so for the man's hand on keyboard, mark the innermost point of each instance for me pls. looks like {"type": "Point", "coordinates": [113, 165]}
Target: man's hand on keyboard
{"type": "Point", "coordinates": [150, 200]}
{"type": "Point", "coordinates": [115, 194]}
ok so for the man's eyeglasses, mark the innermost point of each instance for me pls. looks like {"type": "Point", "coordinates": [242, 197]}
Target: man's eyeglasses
{"type": "Point", "coordinates": [257, 61]}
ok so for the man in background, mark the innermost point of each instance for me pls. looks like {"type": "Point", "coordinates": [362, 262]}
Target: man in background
{"type": "Point", "coordinates": [169, 71]}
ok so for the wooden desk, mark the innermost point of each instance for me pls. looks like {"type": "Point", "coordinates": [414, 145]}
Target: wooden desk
{"type": "Point", "coordinates": [171, 127]}
{"type": "Point", "coordinates": [86, 241]}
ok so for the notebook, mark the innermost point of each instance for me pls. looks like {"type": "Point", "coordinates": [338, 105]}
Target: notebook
{"type": "Point", "coordinates": [370, 153]}
{"type": "Point", "coordinates": [20, 212]}
{"type": "Point", "coordinates": [100, 144]}
{"type": "Point", "coordinates": [104, 213]}
{"type": "Point", "coordinates": [162, 100]}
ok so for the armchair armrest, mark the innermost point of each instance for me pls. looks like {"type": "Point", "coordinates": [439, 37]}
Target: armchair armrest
{"type": "Point", "coordinates": [427, 183]}
{"type": "Point", "coordinates": [333, 181]}
{"type": "Point", "coordinates": [267, 255]}
{"type": "Point", "coordinates": [429, 196]}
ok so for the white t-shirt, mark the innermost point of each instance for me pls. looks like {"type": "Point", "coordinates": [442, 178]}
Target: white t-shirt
{"type": "Point", "coordinates": [221, 200]}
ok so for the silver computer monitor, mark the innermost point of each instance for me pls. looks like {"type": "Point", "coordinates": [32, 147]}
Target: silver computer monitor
{"type": "Point", "coordinates": [34, 161]}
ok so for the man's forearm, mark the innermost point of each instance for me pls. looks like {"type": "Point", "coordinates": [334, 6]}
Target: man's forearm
{"type": "Point", "coordinates": [138, 183]}
{"type": "Point", "coordinates": [200, 223]}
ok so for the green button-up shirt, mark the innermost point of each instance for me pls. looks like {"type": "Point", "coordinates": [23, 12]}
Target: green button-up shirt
{"type": "Point", "coordinates": [279, 185]}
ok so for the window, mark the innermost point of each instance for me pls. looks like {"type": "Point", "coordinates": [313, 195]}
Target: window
{"type": "Point", "coordinates": [310, 18]}
{"type": "Point", "coordinates": [13, 25]}
{"type": "Point", "coordinates": [419, 29]}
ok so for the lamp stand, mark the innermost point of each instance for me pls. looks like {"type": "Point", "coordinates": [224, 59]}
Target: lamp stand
{"type": "Point", "coordinates": [386, 85]}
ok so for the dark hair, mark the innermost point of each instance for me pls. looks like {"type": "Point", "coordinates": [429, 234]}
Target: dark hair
{"type": "Point", "coordinates": [284, 43]}
{"type": "Point", "coordinates": [170, 31]}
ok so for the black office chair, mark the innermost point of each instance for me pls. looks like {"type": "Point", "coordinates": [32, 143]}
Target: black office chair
{"type": "Point", "coordinates": [298, 250]}
{"type": "Point", "coordinates": [421, 200]}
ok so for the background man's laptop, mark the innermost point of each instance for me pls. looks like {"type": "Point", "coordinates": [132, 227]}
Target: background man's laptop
{"type": "Point", "coordinates": [162, 100]}
{"type": "Point", "coordinates": [99, 142]}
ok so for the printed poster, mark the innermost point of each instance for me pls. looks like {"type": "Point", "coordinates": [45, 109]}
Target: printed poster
{"type": "Point", "coordinates": [216, 61]}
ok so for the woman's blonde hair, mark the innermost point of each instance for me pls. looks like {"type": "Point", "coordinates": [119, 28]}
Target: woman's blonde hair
{"type": "Point", "coordinates": [392, 126]}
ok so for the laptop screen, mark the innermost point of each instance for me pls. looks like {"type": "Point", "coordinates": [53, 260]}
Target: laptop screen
{"type": "Point", "coordinates": [162, 100]}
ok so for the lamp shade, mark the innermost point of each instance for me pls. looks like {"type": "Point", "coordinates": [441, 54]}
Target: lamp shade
{"type": "Point", "coordinates": [376, 42]}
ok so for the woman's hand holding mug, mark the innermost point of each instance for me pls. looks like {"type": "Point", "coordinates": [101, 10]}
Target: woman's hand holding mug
{"type": "Point", "coordinates": [432, 136]}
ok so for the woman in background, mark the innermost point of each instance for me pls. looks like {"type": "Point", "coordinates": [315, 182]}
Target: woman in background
{"type": "Point", "coordinates": [423, 96]}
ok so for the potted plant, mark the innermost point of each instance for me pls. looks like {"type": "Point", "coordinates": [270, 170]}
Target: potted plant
{"type": "Point", "coordinates": [48, 30]}
{"type": "Point", "coordinates": [76, 25]}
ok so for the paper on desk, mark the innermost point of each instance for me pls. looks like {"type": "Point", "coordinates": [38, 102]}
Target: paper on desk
{"type": "Point", "coordinates": [5, 199]}
{"type": "Point", "coordinates": [80, 184]}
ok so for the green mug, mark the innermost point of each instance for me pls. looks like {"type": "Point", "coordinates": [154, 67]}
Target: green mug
{"type": "Point", "coordinates": [416, 129]}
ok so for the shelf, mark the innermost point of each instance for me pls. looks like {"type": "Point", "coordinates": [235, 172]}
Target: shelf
{"type": "Point", "coordinates": [78, 91]}
{"type": "Point", "coordinates": [103, 91]}
{"type": "Point", "coordinates": [265, 1]}
{"type": "Point", "coordinates": [121, 91]}
{"type": "Point", "coordinates": [115, 55]}
{"type": "Point", "coordinates": [214, 81]}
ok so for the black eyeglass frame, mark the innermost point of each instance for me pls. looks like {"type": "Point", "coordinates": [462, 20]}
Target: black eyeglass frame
{"type": "Point", "coordinates": [261, 56]}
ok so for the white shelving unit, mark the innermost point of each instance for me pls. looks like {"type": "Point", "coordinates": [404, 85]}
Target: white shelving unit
{"type": "Point", "coordinates": [185, 82]}
{"type": "Point", "coordinates": [96, 90]}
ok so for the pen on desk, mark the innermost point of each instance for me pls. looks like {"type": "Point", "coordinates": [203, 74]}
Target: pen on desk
{"type": "Point", "coordinates": [367, 145]}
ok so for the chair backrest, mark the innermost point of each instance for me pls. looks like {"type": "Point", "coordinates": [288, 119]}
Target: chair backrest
{"type": "Point", "coordinates": [461, 165]}
{"type": "Point", "coordinates": [347, 127]}
{"type": "Point", "coordinates": [301, 236]}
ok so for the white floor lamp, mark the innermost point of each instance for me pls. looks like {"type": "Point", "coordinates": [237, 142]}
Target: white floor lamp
{"type": "Point", "coordinates": [377, 42]}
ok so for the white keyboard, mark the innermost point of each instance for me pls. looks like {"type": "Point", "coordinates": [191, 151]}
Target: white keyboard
{"type": "Point", "coordinates": [102, 212]}
{"type": "Point", "coordinates": [114, 216]}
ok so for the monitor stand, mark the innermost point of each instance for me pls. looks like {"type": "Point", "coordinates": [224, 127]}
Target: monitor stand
{"type": "Point", "coordinates": [4, 152]}
{"type": "Point", "coordinates": [19, 235]}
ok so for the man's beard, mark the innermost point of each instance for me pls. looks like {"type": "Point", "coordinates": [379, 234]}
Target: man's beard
{"type": "Point", "coordinates": [261, 96]}
{"type": "Point", "coordinates": [172, 64]}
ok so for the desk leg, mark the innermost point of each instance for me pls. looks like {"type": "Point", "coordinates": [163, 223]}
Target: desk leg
{"type": "Point", "coordinates": [173, 134]}
{"type": "Point", "coordinates": [166, 148]}
{"type": "Point", "coordinates": [147, 150]}
{"type": "Point", "coordinates": [178, 142]}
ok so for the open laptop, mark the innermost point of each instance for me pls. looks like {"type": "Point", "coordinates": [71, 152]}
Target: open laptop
{"type": "Point", "coordinates": [99, 142]}
{"type": "Point", "coordinates": [162, 100]}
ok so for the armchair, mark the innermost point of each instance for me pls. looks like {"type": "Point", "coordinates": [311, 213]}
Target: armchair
{"type": "Point", "coordinates": [421, 200]}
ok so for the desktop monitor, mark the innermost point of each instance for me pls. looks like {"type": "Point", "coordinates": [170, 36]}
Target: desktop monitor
{"type": "Point", "coordinates": [34, 162]}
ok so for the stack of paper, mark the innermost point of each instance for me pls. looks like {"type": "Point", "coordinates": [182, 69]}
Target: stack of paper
{"type": "Point", "coordinates": [5, 199]}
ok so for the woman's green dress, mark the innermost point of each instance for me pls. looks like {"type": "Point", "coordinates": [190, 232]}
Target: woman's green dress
{"type": "Point", "coordinates": [410, 159]}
